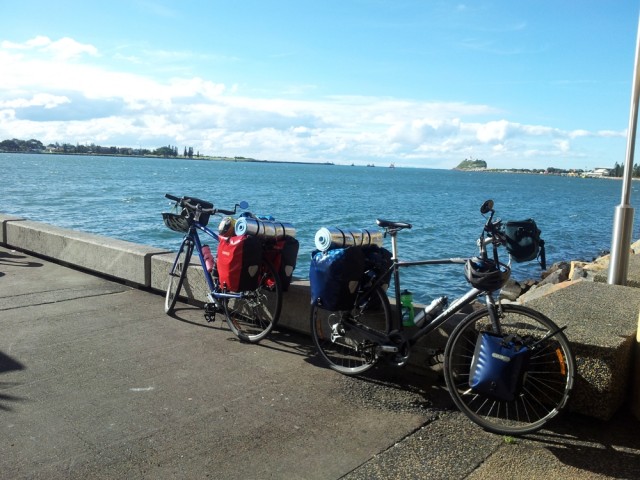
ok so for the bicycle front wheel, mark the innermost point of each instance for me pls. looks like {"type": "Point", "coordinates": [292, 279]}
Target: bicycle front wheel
{"type": "Point", "coordinates": [339, 337]}
{"type": "Point", "coordinates": [546, 383]}
{"type": "Point", "coordinates": [177, 274]}
{"type": "Point", "coordinates": [254, 313]}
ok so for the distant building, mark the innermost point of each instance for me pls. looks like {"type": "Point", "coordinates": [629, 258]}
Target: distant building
{"type": "Point", "coordinates": [598, 172]}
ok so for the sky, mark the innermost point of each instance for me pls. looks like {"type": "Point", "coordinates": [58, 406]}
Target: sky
{"type": "Point", "coordinates": [417, 83]}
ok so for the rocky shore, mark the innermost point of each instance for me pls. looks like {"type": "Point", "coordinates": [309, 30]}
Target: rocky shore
{"type": "Point", "coordinates": [559, 275]}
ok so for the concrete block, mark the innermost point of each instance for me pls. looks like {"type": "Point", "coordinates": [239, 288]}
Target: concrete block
{"type": "Point", "coordinates": [3, 223]}
{"type": "Point", "coordinates": [115, 258]}
{"type": "Point", "coordinates": [602, 322]}
{"type": "Point", "coordinates": [296, 307]}
{"type": "Point", "coordinates": [633, 272]}
{"type": "Point", "coordinates": [635, 379]}
{"type": "Point", "coordinates": [194, 289]}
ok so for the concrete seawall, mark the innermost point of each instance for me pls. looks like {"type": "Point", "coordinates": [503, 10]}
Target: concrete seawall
{"type": "Point", "coordinates": [135, 264]}
{"type": "Point", "coordinates": [605, 355]}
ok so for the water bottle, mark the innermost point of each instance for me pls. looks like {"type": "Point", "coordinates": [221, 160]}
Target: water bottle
{"type": "Point", "coordinates": [208, 258]}
{"type": "Point", "coordinates": [431, 312]}
{"type": "Point", "coordinates": [406, 300]}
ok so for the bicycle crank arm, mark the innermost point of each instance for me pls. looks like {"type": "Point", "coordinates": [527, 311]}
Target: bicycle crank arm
{"type": "Point", "coordinates": [388, 349]}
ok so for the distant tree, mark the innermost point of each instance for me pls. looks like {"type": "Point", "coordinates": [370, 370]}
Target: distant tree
{"type": "Point", "coordinates": [164, 151]}
{"type": "Point", "coordinates": [617, 170]}
{"type": "Point", "coordinates": [10, 145]}
{"type": "Point", "coordinates": [34, 144]}
{"type": "Point", "coordinates": [190, 152]}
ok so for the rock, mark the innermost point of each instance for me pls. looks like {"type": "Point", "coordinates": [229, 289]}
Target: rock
{"type": "Point", "coordinates": [577, 270]}
{"type": "Point", "coordinates": [511, 291]}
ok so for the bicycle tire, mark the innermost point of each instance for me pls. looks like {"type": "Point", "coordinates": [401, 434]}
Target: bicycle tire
{"type": "Point", "coordinates": [252, 316]}
{"type": "Point", "coordinates": [547, 381]}
{"type": "Point", "coordinates": [343, 348]}
{"type": "Point", "coordinates": [177, 275]}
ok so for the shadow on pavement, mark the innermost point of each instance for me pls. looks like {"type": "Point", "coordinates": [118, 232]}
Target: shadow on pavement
{"type": "Point", "coordinates": [8, 364]}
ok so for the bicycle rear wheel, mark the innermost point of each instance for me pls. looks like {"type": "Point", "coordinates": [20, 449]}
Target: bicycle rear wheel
{"type": "Point", "coordinates": [177, 274]}
{"type": "Point", "coordinates": [546, 384]}
{"type": "Point", "coordinates": [340, 344]}
{"type": "Point", "coordinates": [254, 314]}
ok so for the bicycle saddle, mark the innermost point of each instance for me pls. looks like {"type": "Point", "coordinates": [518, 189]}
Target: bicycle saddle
{"type": "Point", "coordinates": [389, 224]}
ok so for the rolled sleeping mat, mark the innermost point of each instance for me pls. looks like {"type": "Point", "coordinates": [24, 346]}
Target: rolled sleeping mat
{"type": "Point", "coordinates": [263, 228]}
{"type": "Point", "coordinates": [333, 237]}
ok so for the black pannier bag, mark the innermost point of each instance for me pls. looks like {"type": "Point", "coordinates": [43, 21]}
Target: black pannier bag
{"type": "Point", "coordinates": [377, 264]}
{"type": "Point", "coordinates": [283, 255]}
{"type": "Point", "coordinates": [498, 366]}
{"type": "Point", "coordinates": [335, 277]}
{"type": "Point", "coordinates": [524, 242]}
{"type": "Point", "coordinates": [377, 260]}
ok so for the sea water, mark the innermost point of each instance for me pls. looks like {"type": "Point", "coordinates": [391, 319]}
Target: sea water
{"type": "Point", "coordinates": [122, 197]}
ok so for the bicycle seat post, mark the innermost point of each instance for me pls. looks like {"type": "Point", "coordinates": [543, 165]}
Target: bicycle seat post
{"type": "Point", "coordinates": [394, 244]}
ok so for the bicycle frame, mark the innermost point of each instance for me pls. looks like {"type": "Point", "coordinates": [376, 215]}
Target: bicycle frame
{"type": "Point", "coordinates": [193, 236]}
{"type": "Point", "coordinates": [439, 320]}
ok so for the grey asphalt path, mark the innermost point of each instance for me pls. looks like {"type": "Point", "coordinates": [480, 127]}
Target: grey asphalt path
{"type": "Point", "coordinates": [97, 382]}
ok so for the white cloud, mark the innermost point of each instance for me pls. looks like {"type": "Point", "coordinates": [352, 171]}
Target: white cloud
{"type": "Point", "coordinates": [47, 93]}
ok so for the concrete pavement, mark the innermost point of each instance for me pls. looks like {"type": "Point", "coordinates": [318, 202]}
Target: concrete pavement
{"type": "Point", "coordinates": [97, 382]}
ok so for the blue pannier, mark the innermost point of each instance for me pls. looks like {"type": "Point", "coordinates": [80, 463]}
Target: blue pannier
{"type": "Point", "coordinates": [335, 277]}
{"type": "Point", "coordinates": [498, 366]}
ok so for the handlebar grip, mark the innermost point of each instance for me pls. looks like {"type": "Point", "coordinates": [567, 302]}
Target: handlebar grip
{"type": "Point", "coordinates": [225, 212]}
{"type": "Point", "coordinates": [171, 197]}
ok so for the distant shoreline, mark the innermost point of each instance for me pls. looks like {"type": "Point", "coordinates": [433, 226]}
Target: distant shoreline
{"type": "Point", "coordinates": [292, 162]}
{"type": "Point", "coordinates": [160, 157]}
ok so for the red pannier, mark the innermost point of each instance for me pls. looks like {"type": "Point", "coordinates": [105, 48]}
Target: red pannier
{"type": "Point", "coordinates": [238, 262]}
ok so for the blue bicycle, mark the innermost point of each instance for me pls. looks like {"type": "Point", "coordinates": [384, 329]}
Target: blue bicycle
{"type": "Point", "coordinates": [251, 308]}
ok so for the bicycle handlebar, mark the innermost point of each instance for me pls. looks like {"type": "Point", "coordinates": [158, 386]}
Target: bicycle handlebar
{"type": "Point", "coordinates": [184, 202]}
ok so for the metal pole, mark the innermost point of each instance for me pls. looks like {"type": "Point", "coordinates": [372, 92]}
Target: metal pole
{"type": "Point", "coordinates": [623, 219]}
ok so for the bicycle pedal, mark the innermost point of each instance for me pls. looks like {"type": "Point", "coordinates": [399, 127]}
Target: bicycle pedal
{"type": "Point", "coordinates": [210, 311]}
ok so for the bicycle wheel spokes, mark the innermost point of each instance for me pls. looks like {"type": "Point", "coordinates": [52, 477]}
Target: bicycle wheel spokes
{"type": "Point", "coordinates": [253, 315]}
{"type": "Point", "coordinates": [547, 381]}
{"type": "Point", "coordinates": [341, 344]}
{"type": "Point", "coordinates": [177, 274]}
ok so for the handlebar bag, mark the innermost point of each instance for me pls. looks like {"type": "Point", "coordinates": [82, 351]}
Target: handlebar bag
{"type": "Point", "coordinates": [238, 262]}
{"type": "Point", "coordinates": [523, 240]}
{"type": "Point", "coordinates": [334, 276]}
{"type": "Point", "coordinates": [283, 255]}
{"type": "Point", "coordinates": [204, 217]}
{"type": "Point", "coordinates": [498, 366]}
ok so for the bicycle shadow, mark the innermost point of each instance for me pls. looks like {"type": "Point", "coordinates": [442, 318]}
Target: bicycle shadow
{"type": "Point", "coordinates": [280, 339]}
{"type": "Point", "coordinates": [14, 260]}
{"type": "Point", "coordinates": [186, 313]}
{"type": "Point", "coordinates": [289, 341]}
{"type": "Point", "coordinates": [608, 448]}
{"type": "Point", "coordinates": [8, 364]}
{"type": "Point", "coordinates": [389, 387]}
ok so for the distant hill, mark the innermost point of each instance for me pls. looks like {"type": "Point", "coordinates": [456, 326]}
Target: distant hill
{"type": "Point", "coordinates": [469, 164]}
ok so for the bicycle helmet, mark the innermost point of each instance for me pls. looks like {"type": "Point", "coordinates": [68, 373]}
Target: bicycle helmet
{"type": "Point", "coordinates": [485, 274]}
{"type": "Point", "coordinates": [177, 223]}
{"type": "Point", "coordinates": [227, 227]}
